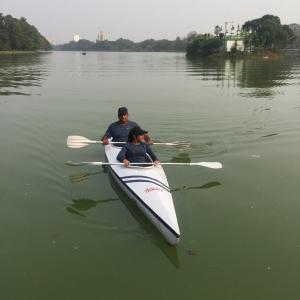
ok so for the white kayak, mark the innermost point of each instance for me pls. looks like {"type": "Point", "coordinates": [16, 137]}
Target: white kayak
{"type": "Point", "coordinates": [149, 188]}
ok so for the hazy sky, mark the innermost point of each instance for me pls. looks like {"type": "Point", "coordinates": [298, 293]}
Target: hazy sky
{"type": "Point", "coordinates": [141, 19]}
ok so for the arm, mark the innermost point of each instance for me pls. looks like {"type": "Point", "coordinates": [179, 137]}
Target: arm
{"type": "Point", "coordinates": [122, 157]}
{"type": "Point", "coordinates": [148, 140]}
{"type": "Point", "coordinates": [151, 153]}
{"type": "Point", "coordinates": [107, 135]}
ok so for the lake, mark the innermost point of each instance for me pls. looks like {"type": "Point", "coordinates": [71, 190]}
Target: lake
{"type": "Point", "coordinates": [70, 233]}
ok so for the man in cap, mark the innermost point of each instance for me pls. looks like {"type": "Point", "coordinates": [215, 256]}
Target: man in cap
{"type": "Point", "coordinates": [119, 130]}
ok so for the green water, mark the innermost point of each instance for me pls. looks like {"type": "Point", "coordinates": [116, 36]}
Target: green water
{"type": "Point", "coordinates": [70, 233]}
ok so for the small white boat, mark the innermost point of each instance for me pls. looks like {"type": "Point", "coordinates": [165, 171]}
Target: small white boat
{"type": "Point", "coordinates": [149, 188]}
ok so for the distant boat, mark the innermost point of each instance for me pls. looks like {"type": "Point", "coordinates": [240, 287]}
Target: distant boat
{"type": "Point", "coordinates": [83, 53]}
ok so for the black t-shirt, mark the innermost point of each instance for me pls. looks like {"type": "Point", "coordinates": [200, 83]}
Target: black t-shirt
{"type": "Point", "coordinates": [139, 153]}
{"type": "Point", "coordinates": [119, 132]}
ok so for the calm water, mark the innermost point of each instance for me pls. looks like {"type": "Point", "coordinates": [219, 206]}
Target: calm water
{"type": "Point", "coordinates": [70, 233]}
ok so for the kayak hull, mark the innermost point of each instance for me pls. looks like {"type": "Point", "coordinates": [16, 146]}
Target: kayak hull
{"type": "Point", "coordinates": [148, 188]}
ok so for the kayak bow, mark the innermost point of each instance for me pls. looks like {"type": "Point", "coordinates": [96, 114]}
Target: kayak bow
{"type": "Point", "coordinates": [149, 188]}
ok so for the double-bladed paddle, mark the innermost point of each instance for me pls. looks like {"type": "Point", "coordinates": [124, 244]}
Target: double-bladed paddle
{"type": "Point", "coordinates": [211, 165]}
{"type": "Point", "coordinates": [77, 141]}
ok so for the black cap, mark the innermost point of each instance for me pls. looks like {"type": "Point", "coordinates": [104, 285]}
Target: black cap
{"type": "Point", "coordinates": [136, 131]}
{"type": "Point", "coordinates": [122, 111]}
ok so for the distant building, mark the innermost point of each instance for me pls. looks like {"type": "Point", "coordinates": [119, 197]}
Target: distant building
{"type": "Point", "coordinates": [76, 38]}
{"type": "Point", "coordinates": [234, 42]}
{"type": "Point", "coordinates": [101, 37]}
{"type": "Point", "coordinates": [233, 39]}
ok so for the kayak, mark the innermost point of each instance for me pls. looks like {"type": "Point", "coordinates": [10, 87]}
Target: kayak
{"type": "Point", "coordinates": [149, 188]}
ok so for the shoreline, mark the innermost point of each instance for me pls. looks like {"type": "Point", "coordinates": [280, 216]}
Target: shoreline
{"type": "Point", "coordinates": [266, 55]}
{"type": "Point", "coordinates": [14, 52]}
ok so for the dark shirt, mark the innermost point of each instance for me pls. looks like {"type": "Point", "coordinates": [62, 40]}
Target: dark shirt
{"type": "Point", "coordinates": [136, 153]}
{"type": "Point", "coordinates": [119, 132]}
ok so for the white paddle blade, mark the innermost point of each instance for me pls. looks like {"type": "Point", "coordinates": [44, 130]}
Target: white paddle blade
{"type": "Point", "coordinates": [77, 145]}
{"type": "Point", "coordinates": [178, 144]}
{"type": "Point", "coordinates": [211, 165]}
{"type": "Point", "coordinates": [182, 144]}
{"type": "Point", "coordinates": [78, 138]}
{"type": "Point", "coordinates": [77, 141]}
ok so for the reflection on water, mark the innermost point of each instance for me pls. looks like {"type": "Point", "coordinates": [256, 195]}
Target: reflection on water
{"type": "Point", "coordinates": [270, 135]}
{"type": "Point", "coordinates": [204, 186]}
{"type": "Point", "coordinates": [83, 204]}
{"type": "Point", "coordinates": [182, 157]}
{"type": "Point", "coordinates": [169, 251]}
{"type": "Point", "coordinates": [76, 178]}
{"type": "Point", "coordinates": [18, 72]}
{"type": "Point", "coordinates": [230, 220]}
{"type": "Point", "coordinates": [256, 77]}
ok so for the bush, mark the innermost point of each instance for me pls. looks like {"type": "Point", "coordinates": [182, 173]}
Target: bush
{"type": "Point", "coordinates": [204, 47]}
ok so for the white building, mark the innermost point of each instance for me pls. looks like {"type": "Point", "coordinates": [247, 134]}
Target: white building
{"type": "Point", "coordinates": [76, 38]}
{"type": "Point", "coordinates": [235, 43]}
{"type": "Point", "coordinates": [101, 37]}
{"type": "Point", "coordinates": [234, 40]}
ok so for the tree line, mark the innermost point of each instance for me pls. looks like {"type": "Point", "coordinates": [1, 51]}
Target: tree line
{"type": "Point", "coordinates": [150, 45]}
{"type": "Point", "coordinates": [267, 33]}
{"type": "Point", "coordinates": [18, 34]}
{"type": "Point", "coordinates": [296, 42]}
{"type": "Point", "coordinates": [262, 34]}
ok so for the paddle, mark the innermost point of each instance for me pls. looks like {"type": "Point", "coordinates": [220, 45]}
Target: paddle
{"type": "Point", "coordinates": [77, 141]}
{"type": "Point", "coordinates": [211, 165]}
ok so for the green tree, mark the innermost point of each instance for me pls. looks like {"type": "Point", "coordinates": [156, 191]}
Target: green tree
{"type": "Point", "coordinates": [18, 34]}
{"type": "Point", "coordinates": [191, 36]}
{"type": "Point", "coordinates": [296, 30]}
{"type": "Point", "coordinates": [268, 33]}
{"type": "Point", "coordinates": [121, 44]}
{"type": "Point", "coordinates": [204, 47]}
{"type": "Point", "coordinates": [4, 36]}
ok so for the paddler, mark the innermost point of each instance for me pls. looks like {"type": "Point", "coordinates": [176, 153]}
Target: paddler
{"type": "Point", "coordinates": [137, 150]}
{"type": "Point", "coordinates": [119, 130]}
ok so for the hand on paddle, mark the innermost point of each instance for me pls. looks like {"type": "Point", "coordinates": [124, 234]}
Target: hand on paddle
{"type": "Point", "coordinates": [126, 163]}
{"type": "Point", "coordinates": [150, 142]}
{"type": "Point", "coordinates": [148, 139]}
{"type": "Point", "coordinates": [105, 141]}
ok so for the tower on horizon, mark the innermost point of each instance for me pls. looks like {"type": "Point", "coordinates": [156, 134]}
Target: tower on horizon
{"type": "Point", "coordinates": [101, 37]}
{"type": "Point", "coordinates": [76, 38]}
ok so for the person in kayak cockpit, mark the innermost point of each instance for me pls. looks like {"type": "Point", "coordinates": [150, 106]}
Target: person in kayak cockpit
{"type": "Point", "coordinates": [119, 130]}
{"type": "Point", "coordinates": [136, 150]}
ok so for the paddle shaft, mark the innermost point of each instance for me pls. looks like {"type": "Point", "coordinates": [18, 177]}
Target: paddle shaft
{"type": "Point", "coordinates": [212, 165]}
{"type": "Point", "coordinates": [123, 143]}
{"type": "Point", "coordinates": [77, 142]}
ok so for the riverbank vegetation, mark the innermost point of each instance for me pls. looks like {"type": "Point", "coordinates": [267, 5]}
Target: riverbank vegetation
{"type": "Point", "coordinates": [150, 45]}
{"type": "Point", "coordinates": [204, 46]}
{"type": "Point", "coordinates": [258, 36]}
{"type": "Point", "coordinates": [267, 33]}
{"type": "Point", "coordinates": [19, 35]}
{"type": "Point", "coordinates": [296, 30]}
